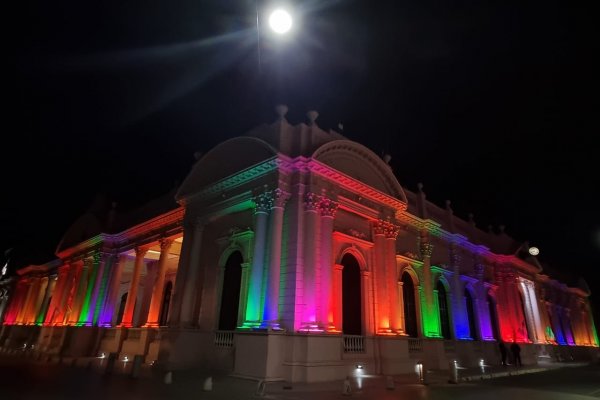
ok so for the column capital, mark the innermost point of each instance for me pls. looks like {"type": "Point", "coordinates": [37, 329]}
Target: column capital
{"type": "Point", "coordinates": [426, 250]}
{"type": "Point", "coordinates": [385, 228]}
{"type": "Point", "coordinates": [311, 201]}
{"type": "Point", "coordinates": [455, 257]}
{"type": "Point", "coordinates": [280, 197]}
{"type": "Point", "coordinates": [141, 251]}
{"type": "Point", "coordinates": [165, 244]}
{"type": "Point", "coordinates": [328, 207]}
{"type": "Point", "coordinates": [89, 261]}
{"type": "Point", "coordinates": [263, 202]}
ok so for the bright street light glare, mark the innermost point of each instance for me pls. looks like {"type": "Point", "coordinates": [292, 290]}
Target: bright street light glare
{"type": "Point", "coordinates": [280, 21]}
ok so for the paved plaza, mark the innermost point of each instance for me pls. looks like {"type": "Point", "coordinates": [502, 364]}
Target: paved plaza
{"type": "Point", "coordinates": [25, 379]}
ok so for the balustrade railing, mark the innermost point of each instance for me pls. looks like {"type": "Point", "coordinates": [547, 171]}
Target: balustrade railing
{"type": "Point", "coordinates": [354, 344]}
{"type": "Point", "coordinates": [415, 345]}
{"type": "Point", "coordinates": [224, 338]}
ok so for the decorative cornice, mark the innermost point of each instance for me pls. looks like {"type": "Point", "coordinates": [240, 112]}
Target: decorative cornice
{"type": "Point", "coordinates": [227, 184]}
{"type": "Point", "coordinates": [354, 185]}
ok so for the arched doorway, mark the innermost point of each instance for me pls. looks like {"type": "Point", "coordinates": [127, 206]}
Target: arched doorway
{"type": "Point", "coordinates": [493, 316]}
{"type": "Point", "coordinates": [121, 308]}
{"type": "Point", "coordinates": [351, 296]}
{"type": "Point", "coordinates": [471, 315]}
{"type": "Point", "coordinates": [410, 305]}
{"type": "Point", "coordinates": [164, 308]}
{"type": "Point", "coordinates": [443, 309]}
{"type": "Point", "coordinates": [230, 295]}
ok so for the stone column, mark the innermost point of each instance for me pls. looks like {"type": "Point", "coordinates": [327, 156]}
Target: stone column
{"type": "Point", "coordinates": [483, 307]}
{"type": "Point", "coordinates": [309, 280]}
{"type": "Point", "coordinates": [367, 318]}
{"type": "Point", "coordinates": [57, 296]}
{"type": "Point", "coordinates": [328, 209]}
{"type": "Point", "coordinates": [402, 322]}
{"type": "Point", "coordinates": [263, 202]}
{"type": "Point", "coordinates": [159, 284]}
{"type": "Point", "coordinates": [337, 296]}
{"type": "Point", "coordinates": [430, 328]}
{"type": "Point", "coordinates": [39, 292]}
{"type": "Point", "coordinates": [271, 312]}
{"type": "Point", "coordinates": [462, 328]}
{"type": "Point", "coordinates": [193, 281]}
{"type": "Point", "coordinates": [78, 285]}
{"type": "Point", "coordinates": [43, 307]}
{"type": "Point", "coordinates": [86, 315]}
{"type": "Point", "coordinates": [174, 315]}
{"type": "Point", "coordinates": [30, 288]}
{"type": "Point", "coordinates": [381, 287]}
{"type": "Point", "coordinates": [391, 233]}
{"type": "Point", "coordinates": [127, 321]}
{"type": "Point", "coordinates": [112, 292]}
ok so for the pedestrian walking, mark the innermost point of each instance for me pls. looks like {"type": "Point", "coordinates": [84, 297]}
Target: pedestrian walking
{"type": "Point", "coordinates": [516, 352]}
{"type": "Point", "coordinates": [503, 352]}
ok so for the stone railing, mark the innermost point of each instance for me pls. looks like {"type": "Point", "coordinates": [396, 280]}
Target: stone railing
{"type": "Point", "coordinates": [224, 338]}
{"type": "Point", "coordinates": [110, 333]}
{"type": "Point", "coordinates": [354, 344]}
{"type": "Point", "coordinates": [415, 345]}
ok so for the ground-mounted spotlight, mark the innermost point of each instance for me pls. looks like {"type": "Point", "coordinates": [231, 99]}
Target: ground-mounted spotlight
{"type": "Point", "coordinates": [359, 366]}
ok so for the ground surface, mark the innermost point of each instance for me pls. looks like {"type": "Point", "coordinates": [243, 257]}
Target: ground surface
{"type": "Point", "coordinates": [23, 379]}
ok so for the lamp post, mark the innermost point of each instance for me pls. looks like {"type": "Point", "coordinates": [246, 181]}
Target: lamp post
{"type": "Point", "coordinates": [280, 21]}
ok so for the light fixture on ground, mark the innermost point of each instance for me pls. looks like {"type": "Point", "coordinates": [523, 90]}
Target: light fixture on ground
{"type": "Point", "coordinates": [280, 21]}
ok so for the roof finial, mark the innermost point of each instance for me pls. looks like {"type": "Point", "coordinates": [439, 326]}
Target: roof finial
{"type": "Point", "coordinates": [420, 186]}
{"type": "Point", "coordinates": [281, 110]}
{"type": "Point", "coordinates": [448, 204]}
{"type": "Point", "coordinates": [502, 227]}
{"type": "Point", "coordinates": [472, 219]}
{"type": "Point", "coordinates": [312, 116]}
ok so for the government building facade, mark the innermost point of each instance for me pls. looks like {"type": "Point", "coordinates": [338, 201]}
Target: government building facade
{"type": "Point", "coordinates": [291, 253]}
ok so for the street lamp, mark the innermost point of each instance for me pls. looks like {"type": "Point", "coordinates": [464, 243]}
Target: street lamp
{"type": "Point", "coordinates": [280, 21]}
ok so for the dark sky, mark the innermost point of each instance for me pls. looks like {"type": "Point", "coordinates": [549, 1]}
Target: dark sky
{"type": "Point", "coordinates": [492, 105]}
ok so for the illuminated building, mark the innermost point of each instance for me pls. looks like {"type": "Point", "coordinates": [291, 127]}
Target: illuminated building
{"type": "Point", "coordinates": [294, 253]}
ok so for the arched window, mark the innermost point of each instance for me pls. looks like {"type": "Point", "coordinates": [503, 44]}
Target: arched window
{"type": "Point", "coordinates": [410, 305]}
{"type": "Point", "coordinates": [443, 308]}
{"type": "Point", "coordinates": [471, 315]}
{"type": "Point", "coordinates": [164, 308]}
{"type": "Point", "coordinates": [121, 308]}
{"type": "Point", "coordinates": [230, 295]}
{"type": "Point", "coordinates": [493, 316]}
{"type": "Point", "coordinates": [351, 296]}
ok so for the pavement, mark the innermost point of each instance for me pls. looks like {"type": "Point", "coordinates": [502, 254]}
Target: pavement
{"type": "Point", "coordinates": [27, 379]}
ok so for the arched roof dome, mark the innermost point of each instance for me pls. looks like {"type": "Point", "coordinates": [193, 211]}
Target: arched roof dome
{"type": "Point", "coordinates": [357, 161]}
{"type": "Point", "coordinates": [227, 158]}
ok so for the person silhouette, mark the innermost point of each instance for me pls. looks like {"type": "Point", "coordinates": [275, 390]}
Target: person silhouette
{"type": "Point", "coordinates": [516, 352]}
{"type": "Point", "coordinates": [503, 351]}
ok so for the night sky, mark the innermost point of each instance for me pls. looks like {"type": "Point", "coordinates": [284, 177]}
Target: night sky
{"type": "Point", "coordinates": [492, 105]}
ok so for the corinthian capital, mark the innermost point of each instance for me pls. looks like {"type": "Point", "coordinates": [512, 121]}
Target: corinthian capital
{"type": "Point", "coordinates": [311, 201]}
{"type": "Point", "coordinates": [264, 202]}
{"type": "Point", "coordinates": [426, 249]}
{"type": "Point", "coordinates": [328, 207]}
{"type": "Point", "coordinates": [280, 197]}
